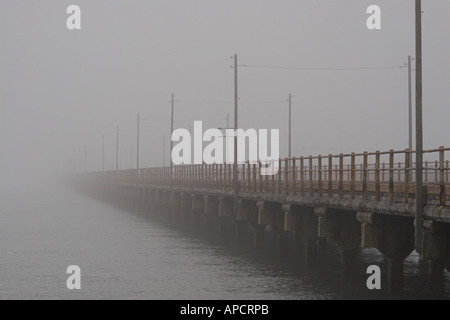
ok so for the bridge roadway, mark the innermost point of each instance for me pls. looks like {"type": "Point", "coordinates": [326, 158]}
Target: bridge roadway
{"type": "Point", "coordinates": [365, 199]}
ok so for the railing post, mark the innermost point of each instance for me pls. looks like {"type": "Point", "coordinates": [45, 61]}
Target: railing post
{"type": "Point", "coordinates": [197, 174]}
{"type": "Point", "coordinates": [377, 175]}
{"type": "Point", "coordinates": [279, 175]}
{"type": "Point", "coordinates": [319, 168]}
{"type": "Point", "coordinates": [255, 189]}
{"type": "Point", "coordinates": [216, 175]}
{"type": "Point", "coordinates": [266, 179]}
{"type": "Point", "coordinates": [446, 172]}
{"type": "Point", "coordinates": [249, 175]}
{"type": "Point", "coordinates": [302, 177]}
{"type": "Point", "coordinates": [294, 178]}
{"type": "Point", "coordinates": [364, 172]}
{"type": "Point", "coordinates": [407, 165]}
{"type": "Point", "coordinates": [186, 177]}
{"type": "Point", "coordinates": [352, 175]}
{"type": "Point", "coordinates": [272, 177]}
{"type": "Point", "coordinates": [441, 176]}
{"type": "Point", "coordinates": [426, 171]}
{"type": "Point", "coordinates": [391, 176]}
{"type": "Point", "coordinates": [246, 176]}
{"type": "Point", "coordinates": [213, 175]}
{"type": "Point", "coordinates": [286, 177]}
{"type": "Point", "coordinates": [208, 170]}
{"type": "Point", "coordinates": [205, 175]}
{"type": "Point", "coordinates": [230, 176]}
{"type": "Point", "coordinates": [436, 166]}
{"type": "Point", "coordinates": [210, 175]}
{"type": "Point", "coordinates": [258, 175]}
{"type": "Point", "coordinates": [220, 177]}
{"type": "Point", "coordinates": [225, 172]}
{"type": "Point", "coordinates": [341, 175]}
{"type": "Point", "coordinates": [310, 176]}
{"type": "Point", "coordinates": [330, 175]}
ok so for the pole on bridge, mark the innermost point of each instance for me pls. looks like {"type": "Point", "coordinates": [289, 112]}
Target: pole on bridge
{"type": "Point", "coordinates": [171, 142]}
{"type": "Point", "coordinates": [117, 152]}
{"type": "Point", "coordinates": [419, 137]}
{"type": "Point", "coordinates": [290, 128]}
{"type": "Point", "coordinates": [103, 153]}
{"type": "Point", "coordinates": [85, 158]}
{"type": "Point", "coordinates": [137, 152]}
{"type": "Point", "coordinates": [235, 166]}
{"type": "Point", "coordinates": [409, 106]}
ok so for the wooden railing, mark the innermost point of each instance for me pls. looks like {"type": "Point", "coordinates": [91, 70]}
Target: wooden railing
{"type": "Point", "coordinates": [388, 175]}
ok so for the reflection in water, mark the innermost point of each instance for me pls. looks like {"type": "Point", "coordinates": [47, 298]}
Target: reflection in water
{"type": "Point", "coordinates": [126, 255]}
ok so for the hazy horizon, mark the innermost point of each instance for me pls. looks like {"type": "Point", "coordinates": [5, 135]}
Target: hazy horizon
{"type": "Point", "coordinates": [61, 90]}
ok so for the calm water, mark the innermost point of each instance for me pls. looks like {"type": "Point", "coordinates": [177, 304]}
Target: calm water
{"type": "Point", "coordinates": [124, 255]}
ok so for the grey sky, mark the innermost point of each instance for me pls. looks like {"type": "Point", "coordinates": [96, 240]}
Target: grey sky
{"type": "Point", "coordinates": [61, 89]}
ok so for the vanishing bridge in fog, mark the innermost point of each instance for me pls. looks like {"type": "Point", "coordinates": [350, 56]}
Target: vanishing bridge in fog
{"type": "Point", "coordinates": [359, 199]}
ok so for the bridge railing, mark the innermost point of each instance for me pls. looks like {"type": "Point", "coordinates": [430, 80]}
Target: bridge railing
{"type": "Point", "coordinates": [388, 175]}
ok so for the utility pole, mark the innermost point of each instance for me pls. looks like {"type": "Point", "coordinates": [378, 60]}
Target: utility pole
{"type": "Point", "coordinates": [235, 165]}
{"type": "Point", "coordinates": [79, 160]}
{"type": "Point", "coordinates": [85, 158]}
{"type": "Point", "coordinates": [409, 105]}
{"type": "Point", "coordinates": [117, 150]}
{"type": "Point", "coordinates": [419, 137]}
{"type": "Point", "coordinates": [290, 128]}
{"type": "Point", "coordinates": [137, 152]}
{"type": "Point", "coordinates": [103, 153]}
{"type": "Point", "coordinates": [171, 142]}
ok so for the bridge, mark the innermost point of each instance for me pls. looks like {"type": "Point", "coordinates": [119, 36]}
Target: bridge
{"type": "Point", "coordinates": [358, 200]}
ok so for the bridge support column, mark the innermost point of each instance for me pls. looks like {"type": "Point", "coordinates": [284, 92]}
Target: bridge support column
{"type": "Point", "coordinates": [259, 236]}
{"type": "Point", "coordinates": [322, 246]}
{"type": "Point", "coordinates": [342, 227]}
{"type": "Point", "coordinates": [393, 237]}
{"type": "Point", "coordinates": [198, 207]}
{"type": "Point", "coordinates": [247, 213]}
{"type": "Point", "coordinates": [225, 217]}
{"type": "Point", "coordinates": [239, 232]}
{"type": "Point", "coordinates": [309, 235]}
{"type": "Point", "coordinates": [282, 243]}
{"type": "Point", "coordinates": [175, 208]}
{"type": "Point", "coordinates": [270, 213]}
{"type": "Point", "coordinates": [167, 206]}
{"type": "Point", "coordinates": [304, 223]}
{"type": "Point", "coordinates": [159, 203]}
{"type": "Point", "coordinates": [292, 223]}
{"type": "Point", "coordinates": [211, 212]}
{"type": "Point", "coordinates": [435, 248]}
{"type": "Point", "coordinates": [186, 211]}
{"type": "Point", "coordinates": [242, 218]}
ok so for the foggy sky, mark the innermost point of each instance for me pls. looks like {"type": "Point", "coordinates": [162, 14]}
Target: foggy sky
{"type": "Point", "coordinates": [61, 89]}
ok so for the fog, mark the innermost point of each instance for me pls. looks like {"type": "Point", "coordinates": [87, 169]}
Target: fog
{"type": "Point", "coordinates": [61, 90]}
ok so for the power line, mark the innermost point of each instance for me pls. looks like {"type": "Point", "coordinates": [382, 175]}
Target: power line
{"type": "Point", "coordinates": [241, 101]}
{"type": "Point", "coordinates": [322, 68]}
{"type": "Point", "coordinates": [202, 101]}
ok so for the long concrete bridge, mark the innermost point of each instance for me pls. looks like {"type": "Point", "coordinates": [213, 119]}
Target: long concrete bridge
{"type": "Point", "coordinates": [358, 200]}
